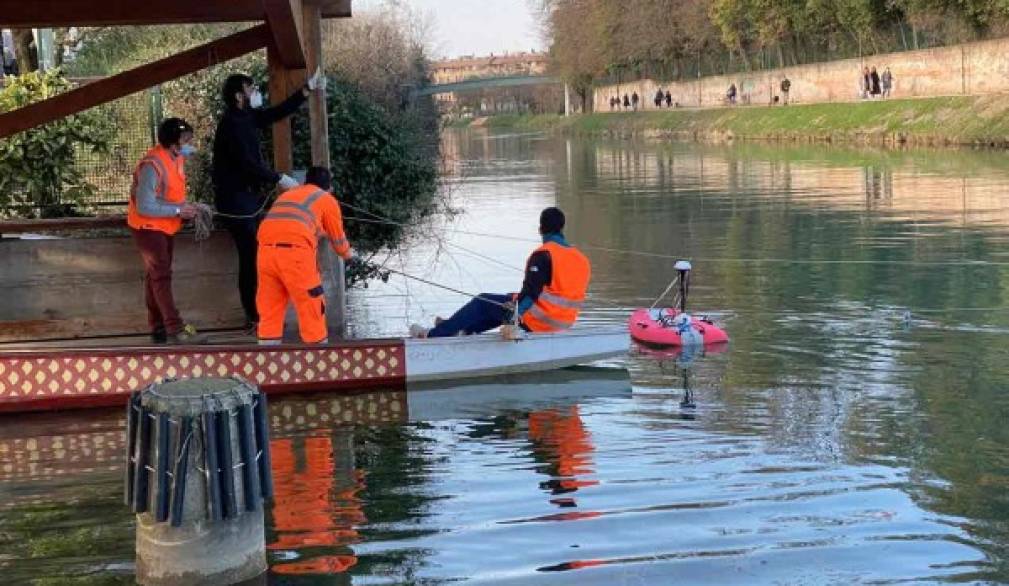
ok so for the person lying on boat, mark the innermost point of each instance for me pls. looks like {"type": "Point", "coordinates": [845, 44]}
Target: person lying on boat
{"type": "Point", "coordinates": [155, 213]}
{"type": "Point", "coordinates": [286, 261]}
{"type": "Point", "coordinates": [556, 279]}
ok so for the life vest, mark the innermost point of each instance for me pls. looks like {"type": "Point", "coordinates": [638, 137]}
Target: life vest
{"type": "Point", "coordinates": [558, 305]}
{"type": "Point", "coordinates": [171, 188]}
{"type": "Point", "coordinates": [294, 220]}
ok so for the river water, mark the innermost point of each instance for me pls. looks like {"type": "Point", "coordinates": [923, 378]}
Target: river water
{"type": "Point", "coordinates": [854, 430]}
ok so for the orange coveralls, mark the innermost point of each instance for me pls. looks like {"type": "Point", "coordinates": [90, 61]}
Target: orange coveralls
{"type": "Point", "coordinates": [287, 263]}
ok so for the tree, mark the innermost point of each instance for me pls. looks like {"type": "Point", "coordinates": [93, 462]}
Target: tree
{"type": "Point", "coordinates": [38, 169]}
{"type": "Point", "coordinates": [25, 52]}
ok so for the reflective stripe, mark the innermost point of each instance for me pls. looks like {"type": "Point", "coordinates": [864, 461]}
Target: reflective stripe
{"type": "Point", "coordinates": [159, 168]}
{"type": "Point", "coordinates": [560, 301]}
{"type": "Point", "coordinates": [286, 216]}
{"type": "Point", "coordinates": [539, 314]}
{"type": "Point", "coordinates": [314, 198]}
{"type": "Point", "coordinates": [305, 206]}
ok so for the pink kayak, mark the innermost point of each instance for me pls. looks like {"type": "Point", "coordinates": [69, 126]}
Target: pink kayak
{"type": "Point", "coordinates": [660, 327]}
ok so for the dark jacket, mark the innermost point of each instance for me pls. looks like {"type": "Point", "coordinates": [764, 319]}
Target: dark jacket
{"type": "Point", "coordinates": [239, 171]}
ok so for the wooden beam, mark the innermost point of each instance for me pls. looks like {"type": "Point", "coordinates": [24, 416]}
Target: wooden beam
{"type": "Point", "coordinates": [285, 20]}
{"type": "Point", "coordinates": [63, 13]}
{"type": "Point", "coordinates": [318, 119]}
{"type": "Point", "coordinates": [134, 80]}
{"type": "Point", "coordinates": [280, 86]}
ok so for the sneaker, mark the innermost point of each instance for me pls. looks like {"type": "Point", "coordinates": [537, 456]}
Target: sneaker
{"type": "Point", "coordinates": [418, 331]}
{"type": "Point", "coordinates": [187, 336]}
{"type": "Point", "coordinates": [159, 335]}
{"type": "Point", "coordinates": [251, 328]}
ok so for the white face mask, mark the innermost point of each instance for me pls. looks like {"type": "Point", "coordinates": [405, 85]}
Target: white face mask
{"type": "Point", "coordinates": [256, 99]}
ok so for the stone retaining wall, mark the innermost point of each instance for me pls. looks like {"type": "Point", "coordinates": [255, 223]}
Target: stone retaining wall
{"type": "Point", "coordinates": [968, 69]}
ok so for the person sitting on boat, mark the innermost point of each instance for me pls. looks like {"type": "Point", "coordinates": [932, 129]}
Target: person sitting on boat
{"type": "Point", "coordinates": [155, 213]}
{"type": "Point", "coordinates": [286, 261]}
{"type": "Point", "coordinates": [556, 279]}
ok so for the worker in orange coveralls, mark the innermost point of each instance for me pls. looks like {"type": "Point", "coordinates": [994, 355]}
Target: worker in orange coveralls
{"type": "Point", "coordinates": [286, 263]}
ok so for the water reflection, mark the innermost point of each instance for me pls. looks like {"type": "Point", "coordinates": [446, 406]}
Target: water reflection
{"type": "Point", "coordinates": [833, 441]}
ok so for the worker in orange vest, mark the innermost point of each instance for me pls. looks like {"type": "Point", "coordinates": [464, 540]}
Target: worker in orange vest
{"type": "Point", "coordinates": [286, 262]}
{"type": "Point", "coordinates": [556, 280]}
{"type": "Point", "coordinates": [155, 213]}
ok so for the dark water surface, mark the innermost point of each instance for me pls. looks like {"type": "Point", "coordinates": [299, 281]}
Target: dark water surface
{"type": "Point", "coordinates": [837, 440]}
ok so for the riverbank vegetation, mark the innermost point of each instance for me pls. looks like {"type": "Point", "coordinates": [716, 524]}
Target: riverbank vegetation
{"type": "Point", "coordinates": [600, 41]}
{"type": "Point", "coordinates": [949, 121]}
{"type": "Point", "coordinates": [384, 148]}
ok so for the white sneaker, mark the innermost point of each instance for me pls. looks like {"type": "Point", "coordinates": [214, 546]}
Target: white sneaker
{"type": "Point", "coordinates": [418, 331]}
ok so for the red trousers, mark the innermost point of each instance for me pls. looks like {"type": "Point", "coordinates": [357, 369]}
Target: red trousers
{"type": "Point", "coordinates": [290, 274]}
{"type": "Point", "coordinates": [156, 250]}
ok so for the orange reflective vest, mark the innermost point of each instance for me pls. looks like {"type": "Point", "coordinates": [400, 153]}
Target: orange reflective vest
{"type": "Point", "coordinates": [558, 305]}
{"type": "Point", "coordinates": [171, 189]}
{"type": "Point", "coordinates": [301, 216]}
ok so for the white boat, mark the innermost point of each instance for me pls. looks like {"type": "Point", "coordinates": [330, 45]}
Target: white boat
{"type": "Point", "coordinates": [483, 355]}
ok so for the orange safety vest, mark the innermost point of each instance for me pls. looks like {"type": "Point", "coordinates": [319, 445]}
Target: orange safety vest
{"type": "Point", "coordinates": [294, 220]}
{"type": "Point", "coordinates": [558, 305]}
{"type": "Point", "coordinates": [171, 189]}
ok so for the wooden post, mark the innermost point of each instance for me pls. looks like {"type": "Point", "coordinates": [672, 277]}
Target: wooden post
{"type": "Point", "coordinates": [283, 157]}
{"type": "Point", "coordinates": [312, 28]}
{"type": "Point", "coordinates": [336, 281]}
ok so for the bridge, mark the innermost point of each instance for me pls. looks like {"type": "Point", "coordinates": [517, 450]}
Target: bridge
{"type": "Point", "coordinates": [481, 83]}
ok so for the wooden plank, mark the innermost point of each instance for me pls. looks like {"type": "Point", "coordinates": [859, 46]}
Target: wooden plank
{"type": "Point", "coordinates": [319, 121]}
{"type": "Point", "coordinates": [285, 20]}
{"type": "Point", "coordinates": [62, 13]}
{"type": "Point", "coordinates": [62, 224]}
{"type": "Point", "coordinates": [135, 80]}
{"type": "Point", "coordinates": [283, 156]}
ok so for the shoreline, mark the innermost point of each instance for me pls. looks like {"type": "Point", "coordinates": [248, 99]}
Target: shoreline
{"type": "Point", "coordinates": [957, 121]}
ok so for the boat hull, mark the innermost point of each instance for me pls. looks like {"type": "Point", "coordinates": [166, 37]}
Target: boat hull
{"type": "Point", "coordinates": [484, 355]}
{"type": "Point", "coordinates": [646, 328]}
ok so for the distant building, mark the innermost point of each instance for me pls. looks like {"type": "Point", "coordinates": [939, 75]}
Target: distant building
{"type": "Point", "coordinates": [468, 67]}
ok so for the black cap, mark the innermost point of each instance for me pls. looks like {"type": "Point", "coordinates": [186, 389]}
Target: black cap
{"type": "Point", "coordinates": [551, 220]}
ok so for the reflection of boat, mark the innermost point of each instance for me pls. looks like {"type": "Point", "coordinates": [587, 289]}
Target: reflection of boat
{"type": "Point", "coordinates": [431, 401]}
{"type": "Point", "coordinates": [55, 378]}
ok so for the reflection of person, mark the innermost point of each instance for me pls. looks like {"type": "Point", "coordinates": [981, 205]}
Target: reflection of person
{"type": "Point", "coordinates": [240, 173]}
{"type": "Point", "coordinates": [287, 265]}
{"type": "Point", "coordinates": [556, 281]}
{"type": "Point", "coordinates": [156, 209]}
{"type": "Point", "coordinates": [315, 506]}
{"type": "Point", "coordinates": [560, 436]}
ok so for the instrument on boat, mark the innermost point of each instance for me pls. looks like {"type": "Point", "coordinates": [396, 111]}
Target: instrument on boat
{"type": "Point", "coordinates": [673, 326]}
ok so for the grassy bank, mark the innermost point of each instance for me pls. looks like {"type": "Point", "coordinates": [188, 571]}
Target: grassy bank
{"type": "Point", "coordinates": [933, 121]}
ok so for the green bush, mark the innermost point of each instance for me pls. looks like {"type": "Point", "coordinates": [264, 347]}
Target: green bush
{"type": "Point", "coordinates": [38, 167]}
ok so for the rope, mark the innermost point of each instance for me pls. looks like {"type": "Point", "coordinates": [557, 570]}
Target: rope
{"type": "Point", "coordinates": [447, 288]}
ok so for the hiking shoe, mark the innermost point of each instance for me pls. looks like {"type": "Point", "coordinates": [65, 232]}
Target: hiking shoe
{"type": "Point", "coordinates": [159, 335]}
{"type": "Point", "coordinates": [187, 336]}
{"type": "Point", "coordinates": [418, 331]}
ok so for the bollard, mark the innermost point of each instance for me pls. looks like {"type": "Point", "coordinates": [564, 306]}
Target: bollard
{"type": "Point", "coordinates": [197, 471]}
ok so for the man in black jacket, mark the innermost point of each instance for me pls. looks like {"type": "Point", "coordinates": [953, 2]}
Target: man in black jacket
{"type": "Point", "coordinates": [240, 174]}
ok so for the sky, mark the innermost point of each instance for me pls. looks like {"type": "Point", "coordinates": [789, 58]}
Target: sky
{"type": "Point", "coordinates": [476, 27]}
